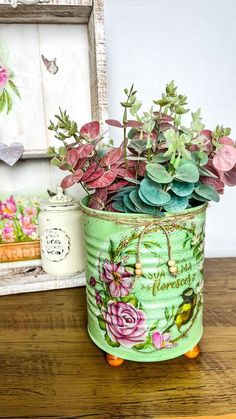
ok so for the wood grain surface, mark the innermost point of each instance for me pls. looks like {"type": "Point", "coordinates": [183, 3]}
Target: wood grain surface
{"type": "Point", "coordinates": [51, 369]}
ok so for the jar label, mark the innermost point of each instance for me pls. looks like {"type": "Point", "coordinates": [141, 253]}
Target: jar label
{"type": "Point", "coordinates": [55, 244]}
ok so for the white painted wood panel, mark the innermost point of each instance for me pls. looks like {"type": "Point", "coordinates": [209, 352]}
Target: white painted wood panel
{"type": "Point", "coordinates": [25, 123]}
{"type": "Point", "coordinates": [41, 91]}
{"type": "Point", "coordinates": [28, 177]}
{"type": "Point", "coordinates": [69, 88]}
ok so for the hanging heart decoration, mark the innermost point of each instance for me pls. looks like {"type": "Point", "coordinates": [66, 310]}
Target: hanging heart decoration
{"type": "Point", "coordinates": [12, 153]}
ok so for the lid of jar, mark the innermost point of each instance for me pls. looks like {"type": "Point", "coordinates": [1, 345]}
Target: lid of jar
{"type": "Point", "coordinates": [59, 202]}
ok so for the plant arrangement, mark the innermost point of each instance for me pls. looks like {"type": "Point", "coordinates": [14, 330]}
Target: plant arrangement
{"type": "Point", "coordinates": [161, 166]}
{"type": "Point", "coordinates": [18, 220]}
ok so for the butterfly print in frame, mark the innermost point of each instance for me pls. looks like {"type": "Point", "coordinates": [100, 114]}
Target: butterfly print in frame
{"type": "Point", "coordinates": [50, 65]}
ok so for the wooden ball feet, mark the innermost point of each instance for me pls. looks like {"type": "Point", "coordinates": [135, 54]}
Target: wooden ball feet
{"type": "Point", "coordinates": [193, 353]}
{"type": "Point", "coordinates": [114, 361]}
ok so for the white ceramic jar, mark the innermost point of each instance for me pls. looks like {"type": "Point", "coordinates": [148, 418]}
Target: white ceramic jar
{"type": "Point", "coordinates": [61, 236]}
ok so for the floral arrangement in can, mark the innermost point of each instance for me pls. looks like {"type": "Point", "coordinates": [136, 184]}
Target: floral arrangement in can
{"type": "Point", "coordinates": [161, 166]}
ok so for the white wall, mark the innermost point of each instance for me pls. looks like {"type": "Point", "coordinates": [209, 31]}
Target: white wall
{"type": "Point", "coordinates": [150, 42]}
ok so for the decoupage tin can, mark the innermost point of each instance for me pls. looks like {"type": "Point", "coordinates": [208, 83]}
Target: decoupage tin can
{"type": "Point", "coordinates": [144, 282]}
{"type": "Point", "coordinates": [60, 236]}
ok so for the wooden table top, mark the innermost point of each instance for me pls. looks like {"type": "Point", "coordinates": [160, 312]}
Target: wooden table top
{"type": "Point", "coordinates": [51, 369]}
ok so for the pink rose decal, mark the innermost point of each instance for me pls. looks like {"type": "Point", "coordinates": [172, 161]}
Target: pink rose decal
{"type": "Point", "coordinates": [161, 341]}
{"type": "Point", "coordinates": [4, 76]}
{"type": "Point", "coordinates": [125, 323]}
{"type": "Point", "coordinates": [8, 208]}
{"type": "Point", "coordinates": [117, 278]}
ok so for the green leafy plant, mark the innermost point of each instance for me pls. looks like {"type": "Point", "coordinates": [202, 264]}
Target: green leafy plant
{"type": "Point", "coordinates": [161, 165]}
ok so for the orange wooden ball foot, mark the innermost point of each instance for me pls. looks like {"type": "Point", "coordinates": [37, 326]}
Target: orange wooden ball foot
{"type": "Point", "coordinates": [193, 353]}
{"type": "Point", "coordinates": [114, 361]}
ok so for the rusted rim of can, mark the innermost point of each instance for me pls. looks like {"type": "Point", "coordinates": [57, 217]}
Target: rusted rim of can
{"type": "Point", "coordinates": [140, 219]}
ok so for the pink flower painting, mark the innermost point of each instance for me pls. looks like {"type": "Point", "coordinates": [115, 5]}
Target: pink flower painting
{"type": "Point", "coordinates": [18, 219]}
{"type": "Point", "coordinates": [8, 89]}
{"type": "Point", "coordinates": [125, 324]}
{"type": "Point", "coordinates": [30, 211]}
{"type": "Point", "coordinates": [8, 233]}
{"type": "Point", "coordinates": [27, 225]}
{"type": "Point", "coordinates": [118, 279]}
{"type": "Point", "coordinates": [8, 208]}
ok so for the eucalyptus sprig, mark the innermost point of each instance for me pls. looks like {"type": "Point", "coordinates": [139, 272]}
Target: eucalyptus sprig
{"type": "Point", "coordinates": [57, 156]}
{"type": "Point", "coordinates": [177, 143]}
{"type": "Point", "coordinates": [128, 103]}
{"type": "Point", "coordinates": [220, 131]}
{"type": "Point", "coordinates": [64, 128]}
{"type": "Point", "coordinates": [172, 103]}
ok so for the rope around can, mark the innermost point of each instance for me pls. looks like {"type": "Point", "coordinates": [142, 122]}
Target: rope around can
{"type": "Point", "coordinates": [171, 263]}
{"type": "Point", "coordinates": [147, 223]}
{"type": "Point", "coordinates": [142, 220]}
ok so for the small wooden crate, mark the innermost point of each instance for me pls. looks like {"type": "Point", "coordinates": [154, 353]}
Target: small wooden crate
{"type": "Point", "coordinates": [14, 252]}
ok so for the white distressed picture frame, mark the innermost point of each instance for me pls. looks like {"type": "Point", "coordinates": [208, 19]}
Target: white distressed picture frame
{"type": "Point", "coordinates": [78, 14]}
{"type": "Point", "coordinates": [19, 277]}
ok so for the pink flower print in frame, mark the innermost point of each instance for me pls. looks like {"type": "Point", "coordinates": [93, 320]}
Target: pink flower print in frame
{"type": "Point", "coordinates": [4, 76]}
{"type": "Point", "coordinates": [8, 232]}
{"type": "Point", "coordinates": [8, 89]}
{"type": "Point", "coordinates": [18, 219]}
{"type": "Point", "coordinates": [8, 208]}
{"type": "Point", "coordinates": [30, 211]}
{"type": "Point", "coordinates": [27, 225]}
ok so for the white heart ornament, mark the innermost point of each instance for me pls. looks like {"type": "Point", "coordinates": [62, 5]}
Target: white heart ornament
{"type": "Point", "coordinates": [12, 153]}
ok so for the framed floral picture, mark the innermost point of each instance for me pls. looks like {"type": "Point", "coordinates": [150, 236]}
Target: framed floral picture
{"type": "Point", "coordinates": [34, 84]}
{"type": "Point", "coordinates": [52, 54]}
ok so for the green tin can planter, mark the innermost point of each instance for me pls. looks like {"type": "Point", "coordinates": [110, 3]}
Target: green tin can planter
{"type": "Point", "coordinates": [144, 282]}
